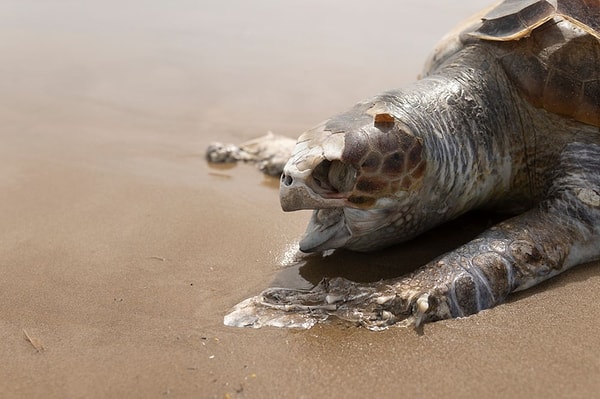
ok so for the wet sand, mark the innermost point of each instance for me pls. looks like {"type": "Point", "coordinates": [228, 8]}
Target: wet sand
{"type": "Point", "coordinates": [122, 249]}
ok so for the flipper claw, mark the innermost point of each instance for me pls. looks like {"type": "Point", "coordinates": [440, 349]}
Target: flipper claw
{"type": "Point", "coordinates": [420, 309]}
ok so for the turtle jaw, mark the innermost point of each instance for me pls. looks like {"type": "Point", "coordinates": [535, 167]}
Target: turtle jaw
{"type": "Point", "coordinates": [308, 189]}
{"type": "Point", "coordinates": [327, 229]}
{"type": "Point", "coordinates": [321, 182]}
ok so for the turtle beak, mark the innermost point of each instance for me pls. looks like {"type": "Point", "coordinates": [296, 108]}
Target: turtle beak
{"type": "Point", "coordinates": [300, 190]}
{"type": "Point", "coordinates": [314, 177]}
{"type": "Point", "coordinates": [294, 194]}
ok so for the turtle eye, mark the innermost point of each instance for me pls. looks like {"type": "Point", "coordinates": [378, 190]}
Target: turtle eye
{"type": "Point", "coordinates": [334, 176]}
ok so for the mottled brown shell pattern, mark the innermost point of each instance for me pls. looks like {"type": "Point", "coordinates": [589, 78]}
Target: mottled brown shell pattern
{"type": "Point", "coordinates": [551, 51]}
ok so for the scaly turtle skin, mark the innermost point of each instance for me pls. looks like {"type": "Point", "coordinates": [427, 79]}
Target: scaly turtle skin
{"type": "Point", "coordinates": [506, 117]}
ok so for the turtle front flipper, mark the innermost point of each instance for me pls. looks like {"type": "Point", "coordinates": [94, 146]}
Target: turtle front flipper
{"type": "Point", "coordinates": [269, 152]}
{"type": "Point", "coordinates": [561, 232]}
{"type": "Point", "coordinates": [375, 306]}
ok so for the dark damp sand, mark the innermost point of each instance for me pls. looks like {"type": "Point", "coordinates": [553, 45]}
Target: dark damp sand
{"type": "Point", "coordinates": [122, 249]}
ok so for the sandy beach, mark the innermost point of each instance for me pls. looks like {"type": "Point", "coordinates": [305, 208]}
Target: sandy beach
{"type": "Point", "coordinates": [122, 249]}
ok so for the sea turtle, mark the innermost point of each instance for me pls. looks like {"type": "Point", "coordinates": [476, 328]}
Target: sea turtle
{"type": "Point", "coordinates": [506, 117]}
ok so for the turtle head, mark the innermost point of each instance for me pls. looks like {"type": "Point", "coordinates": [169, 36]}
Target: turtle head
{"type": "Point", "coordinates": [360, 172]}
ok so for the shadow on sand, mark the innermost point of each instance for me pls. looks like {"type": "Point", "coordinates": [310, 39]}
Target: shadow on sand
{"type": "Point", "coordinates": [309, 269]}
